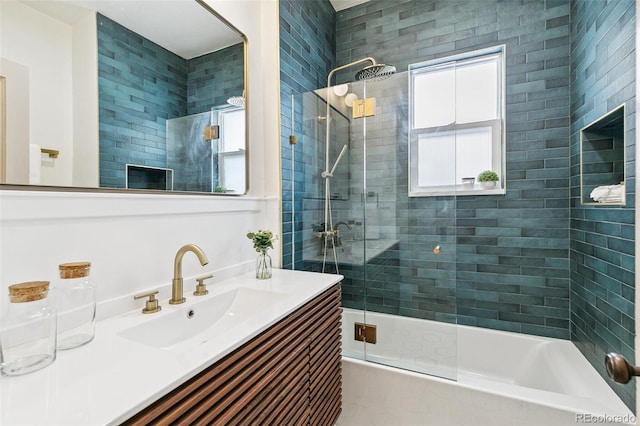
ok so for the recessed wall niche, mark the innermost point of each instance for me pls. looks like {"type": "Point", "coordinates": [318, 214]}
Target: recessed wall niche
{"type": "Point", "coordinates": [602, 160]}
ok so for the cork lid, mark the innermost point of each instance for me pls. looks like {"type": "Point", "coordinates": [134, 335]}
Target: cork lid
{"type": "Point", "coordinates": [74, 270]}
{"type": "Point", "coordinates": [28, 291]}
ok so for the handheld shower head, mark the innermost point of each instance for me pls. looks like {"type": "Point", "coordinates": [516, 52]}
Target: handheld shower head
{"type": "Point", "coordinates": [375, 72]}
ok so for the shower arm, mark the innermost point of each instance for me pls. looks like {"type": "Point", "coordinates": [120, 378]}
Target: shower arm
{"type": "Point", "coordinates": [342, 67]}
{"type": "Point", "coordinates": [333, 71]}
{"type": "Point", "coordinates": [329, 226]}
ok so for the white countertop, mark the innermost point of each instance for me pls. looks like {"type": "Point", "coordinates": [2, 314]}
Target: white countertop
{"type": "Point", "coordinates": [112, 378]}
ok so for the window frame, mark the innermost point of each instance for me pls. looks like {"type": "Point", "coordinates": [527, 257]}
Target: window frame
{"type": "Point", "coordinates": [498, 125]}
{"type": "Point", "coordinates": [223, 154]}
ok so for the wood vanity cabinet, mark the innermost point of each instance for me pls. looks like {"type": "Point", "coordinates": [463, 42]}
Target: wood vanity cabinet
{"type": "Point", "coordinates": [290, 374]}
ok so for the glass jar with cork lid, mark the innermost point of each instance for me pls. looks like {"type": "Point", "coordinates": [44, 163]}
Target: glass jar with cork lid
{"type": "Point", "coordinates": [27, 329]}
{"type": "Point", "coordinates": [76, 305]}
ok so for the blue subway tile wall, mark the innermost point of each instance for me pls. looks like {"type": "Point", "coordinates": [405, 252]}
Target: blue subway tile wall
{"type": "Point", "coordinates": [141, 85]}
{"type": "Point", "coordinates": [534, 260]}
{"type": "Point", "coordinates": [214, 78]}
{"type": "Point", "coordinates": [132, 116]}
{"type": "Point", "coordinates": [602, 238]}
{"type": "Point", "coordinates": [307, 54]}
{"type": "Point", "coordinates": [511, 269]}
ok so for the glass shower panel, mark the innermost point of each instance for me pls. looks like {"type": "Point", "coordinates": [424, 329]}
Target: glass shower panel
{"type": "Point", "coordinates": [189, 154]}
{"type": "Point", "coordinates": [409, 249]}
{"type": "Point", "coordinates": [397, 253]}
{"type": "Point", "coordinates": [312, 152]}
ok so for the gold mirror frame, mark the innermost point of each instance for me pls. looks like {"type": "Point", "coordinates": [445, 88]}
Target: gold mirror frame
{"type": "Point", "coordinates": [52, 188]}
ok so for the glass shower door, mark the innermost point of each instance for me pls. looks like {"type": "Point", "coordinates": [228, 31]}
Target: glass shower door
{"type": "Point", "coordinates": [323, 136]}
{"type": "Point", "coordinates": [397, 253]}
{"type": "Point", "coordinates": [409, 242]}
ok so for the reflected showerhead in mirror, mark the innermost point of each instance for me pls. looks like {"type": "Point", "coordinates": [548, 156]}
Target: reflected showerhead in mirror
{"type": "Point", "coordinates": [376, 72]}
{"type": "Point", "coordinates": [236, 101]}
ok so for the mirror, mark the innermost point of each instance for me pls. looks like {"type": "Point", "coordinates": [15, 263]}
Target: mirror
{"type": "Point", "coordinates": [122, 95]}
{"type": "Point", "coordinates": [602, 160]}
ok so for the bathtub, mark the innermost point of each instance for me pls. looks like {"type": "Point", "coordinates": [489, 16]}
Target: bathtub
{"type": "Point", "coordinates": [487, 377]}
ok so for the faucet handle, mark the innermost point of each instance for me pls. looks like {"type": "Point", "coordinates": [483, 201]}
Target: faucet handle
{"type": "Point", "coordinates": [201, 288]}
{"type": "Point", "coordinates": [152, 304]}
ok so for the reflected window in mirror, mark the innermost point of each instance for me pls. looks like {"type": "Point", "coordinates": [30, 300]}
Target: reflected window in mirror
{"type": "Point", "coordinates": [232, 176]}
{"type": "Point", "coordinates": [114, 111]}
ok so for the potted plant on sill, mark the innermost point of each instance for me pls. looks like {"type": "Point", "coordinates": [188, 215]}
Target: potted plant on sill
{"type": "Point", "coordinates": [262, 241]}
{"type": "Point", "coordinates": [488, 179]}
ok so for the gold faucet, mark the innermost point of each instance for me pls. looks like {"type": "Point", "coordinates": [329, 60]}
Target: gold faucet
{"type": "Point", "coordinates": [176, 287]}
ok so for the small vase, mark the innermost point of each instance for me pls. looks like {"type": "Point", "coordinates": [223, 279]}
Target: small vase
{"type": "Point", "coordinates": [263, 265]}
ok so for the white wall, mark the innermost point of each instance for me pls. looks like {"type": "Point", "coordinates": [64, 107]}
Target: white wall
{"type": "Point", "coordinates": [86, 156]}
{"type": "Point", "coordinates": [132, 239]}
{"type": "Point", "coordinates": [16, 132]}
{"type": "Point", "coordinates": [44, 47]}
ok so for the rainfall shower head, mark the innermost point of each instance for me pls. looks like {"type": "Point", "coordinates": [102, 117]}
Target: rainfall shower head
{"type": "Point", "coordinates": [375, 72]}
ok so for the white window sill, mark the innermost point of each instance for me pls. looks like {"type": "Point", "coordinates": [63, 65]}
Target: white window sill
{"type": "Point", "coordinates": [457, 190]}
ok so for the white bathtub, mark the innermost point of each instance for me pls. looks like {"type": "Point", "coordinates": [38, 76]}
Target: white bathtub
{"type": "Point", "coordinates": [499, 378]}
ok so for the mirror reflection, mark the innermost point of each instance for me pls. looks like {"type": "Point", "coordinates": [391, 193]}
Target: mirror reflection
{"type": "Point", "coordinates": [136, 94]}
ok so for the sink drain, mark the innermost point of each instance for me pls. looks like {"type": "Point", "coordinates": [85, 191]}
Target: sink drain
{"type": "Point", "coordinates": [191, 313]}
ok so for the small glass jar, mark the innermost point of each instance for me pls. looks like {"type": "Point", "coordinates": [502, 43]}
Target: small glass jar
{"type": "Point", "coordinates": [76, 305]}
{"type": "Point", "coordinates": [27, 329]}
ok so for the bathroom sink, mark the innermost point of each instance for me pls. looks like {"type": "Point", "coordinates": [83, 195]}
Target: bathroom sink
{"type": "Point", "coordinates": [202, 319]}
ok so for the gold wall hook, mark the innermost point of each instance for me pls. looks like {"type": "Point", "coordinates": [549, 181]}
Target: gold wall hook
{"type": "Point", "coordinates": [52, 153]}
{"type": "Point", "coordinates": [436, 250]}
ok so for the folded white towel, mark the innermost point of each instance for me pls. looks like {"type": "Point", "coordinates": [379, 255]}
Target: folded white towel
{"type": "Point", "coordinates": [608, 194]}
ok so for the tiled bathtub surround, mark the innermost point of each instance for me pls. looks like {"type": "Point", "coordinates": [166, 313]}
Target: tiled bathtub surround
{"type": "Point", "coordinates": [307, 55]}
{"type": "Point", "coordinates": [527, 261]}
{"type": "Point", "coordinates": [603, 238]}
{"type": "Point", "coordinates": [142, 85]}
{"type": "Point", "coordinates": [511, 266]}
{"type": "Point", "coordinates": [132, 117]}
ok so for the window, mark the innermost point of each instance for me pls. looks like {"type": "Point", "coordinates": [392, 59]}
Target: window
{"type": "Point", "coordinates": [231, 158]}
{"type": "Point", "coordinates": [456, 116]}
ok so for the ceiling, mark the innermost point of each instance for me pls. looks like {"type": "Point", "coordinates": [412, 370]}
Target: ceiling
{"type": "Point", "coordinates": [183, 27]}
{"type": "Point", "coordinates": [186, 28]}
{"type": "Point", "coordinates": [345, 4]}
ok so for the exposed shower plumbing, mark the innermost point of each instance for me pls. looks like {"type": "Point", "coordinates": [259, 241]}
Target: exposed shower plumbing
{"type": "Point", "coordinates": [373, 72]}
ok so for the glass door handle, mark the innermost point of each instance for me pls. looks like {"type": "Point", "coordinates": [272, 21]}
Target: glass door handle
{"type": "Point", "coordinates": [619, 369]}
